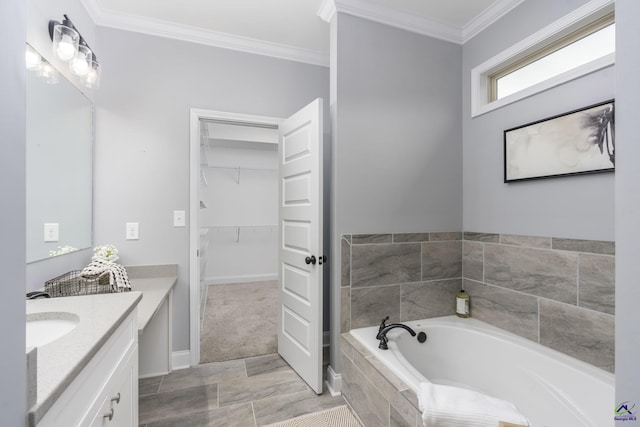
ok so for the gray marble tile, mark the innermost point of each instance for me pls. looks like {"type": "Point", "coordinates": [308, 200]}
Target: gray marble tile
{"type": "Point", "coordinates": [229, 416]}
{"type": "Point", "coordinates": [597, 282]}
{"type": "Point", "coordinates": [441, 260]}
{"type": "Point", "coordinates": [411, 397]}
{"type": "Point", "coordinates": [356, 345]}
{"type": "Point", "coordinates": [512, 311]}
{"type": "Point", "coordinates": [346, 347]}
{"type": "Point", "coordinates": [545, 273]}
{"type": "Point", "coordinates": [259, 387]}
{"type": "Point", "coordinates": [345, 266]}
{"type": "Point", "coordinates": [385, 264]}
{"type": "Point", "coordinates": [362, 239]}
{"type": "Point", "coordinates": [396, 420]}
{"type": "Point", "coordinates": [473, 260]}
{"type": "Point", "coordinates": [410, 237]}
{"type": "Point", "coordinates": [208, 373]}
{"type": "Point", "coordinates": [149, 385]}
{"type": "Point", "coordinates": [371, 304]}
{"type": "Point", "coordinates": [584, 334]}
{"type": "Point", "coordinates": [345, 309]}
{"type": "Point", "coordinates": [428, 299]}
{"type": "Point", "coordinates": [364, 398]}
{"type": "Point", "coordinates": [178, 403]}
{"type": "Point", "coordinates": [386, 386]}
{"type": "Point", "coordinates": [265, 364]}
{"type": "Point", "coordinates": [283, 407]}
{"type": "Point", "coordinates": [481, 237]}
{"type": "Point", "coordinates": [528, 241]}
{"type": "Point", "coordinates": [347, 237]}
{"type": "Point", "coordinates": [445, 235]}
{"type": "Point", "coordinates": [591, 246]}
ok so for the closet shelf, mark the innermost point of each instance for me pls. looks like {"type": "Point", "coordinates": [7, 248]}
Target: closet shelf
{"type": "Point", "coordinates": [238, 228]}
{"type": "Point", "coordinates": [239, 169]}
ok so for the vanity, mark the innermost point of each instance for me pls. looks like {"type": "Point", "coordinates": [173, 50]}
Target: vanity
{"type": "Point", "coordinates": [88, 374]}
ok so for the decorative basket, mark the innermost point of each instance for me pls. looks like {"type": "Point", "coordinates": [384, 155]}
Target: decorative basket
{"type": "Point", "coordinates": [75, 283]}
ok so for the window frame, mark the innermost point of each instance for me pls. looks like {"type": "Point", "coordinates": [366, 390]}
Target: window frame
{"type": "Point", "coordinates": [587, 19]}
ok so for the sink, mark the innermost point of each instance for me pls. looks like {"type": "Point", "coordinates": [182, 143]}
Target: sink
{"type": "Point", "coordinates": [43, 328]}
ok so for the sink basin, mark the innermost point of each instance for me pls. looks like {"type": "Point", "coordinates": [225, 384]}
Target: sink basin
{"type": "Point", "coordinates": [43, 328]}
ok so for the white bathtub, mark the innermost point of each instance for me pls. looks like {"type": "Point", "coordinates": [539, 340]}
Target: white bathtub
{"type": "Point", "coordinates": [549, 388]}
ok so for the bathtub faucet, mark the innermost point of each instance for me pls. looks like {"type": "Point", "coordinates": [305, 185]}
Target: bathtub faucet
{"type": "Point", "coordinates": [382, 333]}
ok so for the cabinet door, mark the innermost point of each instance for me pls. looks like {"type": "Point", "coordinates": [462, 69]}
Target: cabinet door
{"type": "Point", "coordinates": [119, 407]}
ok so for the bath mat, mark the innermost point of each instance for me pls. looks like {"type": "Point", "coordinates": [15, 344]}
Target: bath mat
{"type": "Point", "coordinates": [340, 416]}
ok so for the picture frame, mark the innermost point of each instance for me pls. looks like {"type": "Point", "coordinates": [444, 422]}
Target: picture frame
{"type": "Point", "coordinates": [574, 143]}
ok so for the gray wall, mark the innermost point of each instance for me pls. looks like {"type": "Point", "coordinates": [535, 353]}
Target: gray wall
{"type": "Point", "coordinates": [12, 227]}
{"type": "Point", "coordinates": [576, 207]}
{"type": "Point", "coordinates": [142, 150]}
{"type": "Point", "coordinates": [396, 103]}
{"type": "Point", "coordinates": [627, 204]}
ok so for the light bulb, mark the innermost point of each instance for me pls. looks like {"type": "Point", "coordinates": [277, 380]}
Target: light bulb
{"type": "Point", "coordinates": [65, 50]}
{"type": "Point", "coordinates": [79, 65]}
{"type": "Point", "coordinates": [32, 58]}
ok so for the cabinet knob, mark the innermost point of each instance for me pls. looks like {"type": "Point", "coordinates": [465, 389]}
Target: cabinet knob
{"type": "Point", "coordinates": [109, 416]}
{"type": "Point", "coordinates": [116, 399]}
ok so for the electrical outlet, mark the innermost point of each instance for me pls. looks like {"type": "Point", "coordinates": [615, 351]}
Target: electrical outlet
{"type": "Point", "coordinates": [132, 231]}
{"type": "Point", "coordinates": [179, 219]}
{"type": "Point", "coordinates": [51, 232]}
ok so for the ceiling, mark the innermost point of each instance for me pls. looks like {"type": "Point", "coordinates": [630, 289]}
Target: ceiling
{"type": "Point", "coordinates": [291, 29]}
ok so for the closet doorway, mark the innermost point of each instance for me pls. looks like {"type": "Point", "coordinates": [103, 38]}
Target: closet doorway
{"type": "Point", "coordinates": [297, 246]}
{"type": "Point", "coordinates": [238, 226]}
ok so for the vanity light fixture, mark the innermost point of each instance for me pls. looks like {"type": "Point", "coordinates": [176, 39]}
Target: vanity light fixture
{"type": "Point", "coordinates": [69, 46]}
{"type": "Point", "coordinates": [32, 58]}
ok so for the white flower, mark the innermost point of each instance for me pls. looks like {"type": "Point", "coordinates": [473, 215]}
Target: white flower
{"type": "Point", "coordinates": [62, 250]}
{"type": "Point", "coordinates": [107, 253]}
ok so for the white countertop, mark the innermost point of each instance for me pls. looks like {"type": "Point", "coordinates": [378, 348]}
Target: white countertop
{"type": "Point", "coordinates": [60, 361]}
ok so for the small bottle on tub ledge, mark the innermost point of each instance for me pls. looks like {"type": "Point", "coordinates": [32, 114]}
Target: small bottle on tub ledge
{"type": "Point", "coordinates": [462, 304]}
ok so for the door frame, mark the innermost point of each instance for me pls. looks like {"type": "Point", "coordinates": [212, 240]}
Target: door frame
{"type": "Point", "coordinates": [195, 115]}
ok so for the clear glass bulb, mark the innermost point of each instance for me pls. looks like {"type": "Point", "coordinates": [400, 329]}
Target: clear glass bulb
{"type": "Point", "coordinates": [32, 58]}
{"type": "Point", "coordinates": [66, 49]}
{"type": "Point", "coordinates": [79, 65]}
{"type": "Point", "coordinates": [65, 42]}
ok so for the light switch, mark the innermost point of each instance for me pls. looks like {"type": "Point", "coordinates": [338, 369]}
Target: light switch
{"type": "Point", "coordinates": [179, 219]}
{"type": "Point", "coordinates": [51, 232]}
{"type": "Point", "coordinates": [132, 231]}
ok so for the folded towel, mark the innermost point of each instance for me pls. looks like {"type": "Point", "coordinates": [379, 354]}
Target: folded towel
{"type": "Point", "coordinates": [118, 278]}
{"type": "Point", "coordinates": [447, 406]}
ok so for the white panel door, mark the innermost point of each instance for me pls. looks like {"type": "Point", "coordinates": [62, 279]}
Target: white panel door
{"type": "Point", "coordinates": [301, 253]}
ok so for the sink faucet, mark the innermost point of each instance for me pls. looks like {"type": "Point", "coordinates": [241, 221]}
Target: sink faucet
{"type": "Point", "coordinates": [384, 328]}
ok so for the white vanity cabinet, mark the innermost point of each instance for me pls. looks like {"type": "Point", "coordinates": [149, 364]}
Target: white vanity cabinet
{"type": "Point", "coordinates": [105, 392]}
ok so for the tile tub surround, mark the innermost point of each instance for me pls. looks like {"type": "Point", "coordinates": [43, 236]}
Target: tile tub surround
{"type": "Point", "coordinates": [375, 394]}
{"type": "Point", "coordinates": [558, 292]}
{"type": "Point", "coordinates": [406, 276]}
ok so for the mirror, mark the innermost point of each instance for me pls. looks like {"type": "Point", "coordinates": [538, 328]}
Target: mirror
{"type": "Point", "coordinates": [59, 167]}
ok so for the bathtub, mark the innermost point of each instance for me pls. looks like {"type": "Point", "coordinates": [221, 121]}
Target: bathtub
{"type": "Point", "coordinates": [550, 388]}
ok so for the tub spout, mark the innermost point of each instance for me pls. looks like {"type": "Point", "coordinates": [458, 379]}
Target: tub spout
{"type": "Point", "coordinates": [382, 334]}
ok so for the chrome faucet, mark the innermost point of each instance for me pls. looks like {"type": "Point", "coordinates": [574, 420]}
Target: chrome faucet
{"type": "Point", "coordinates": [384, 328]}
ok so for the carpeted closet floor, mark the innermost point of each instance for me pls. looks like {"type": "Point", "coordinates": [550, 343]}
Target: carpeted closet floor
{"type": "Point", "coordinates": [240, 321]}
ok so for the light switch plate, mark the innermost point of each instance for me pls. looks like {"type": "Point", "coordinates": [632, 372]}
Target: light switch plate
{"type": "Point", "coordinates": [179, 219]}
{"type": "Point", "coordinates": [132, 231]}
{"type": "Point", "coordinates": [51, 232]}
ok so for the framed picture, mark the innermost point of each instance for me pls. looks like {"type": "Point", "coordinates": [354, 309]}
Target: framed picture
{"type": "Point", "coordinates": [573, 143]}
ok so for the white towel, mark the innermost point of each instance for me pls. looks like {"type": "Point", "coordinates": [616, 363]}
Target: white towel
{"type": "Point", "coordinates": [118, 278]}
{"type": "Point", "coordinates": [447, 406]}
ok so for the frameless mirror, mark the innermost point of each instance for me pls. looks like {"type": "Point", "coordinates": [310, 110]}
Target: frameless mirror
{"type": "Point", "coordinates": [59, 167]}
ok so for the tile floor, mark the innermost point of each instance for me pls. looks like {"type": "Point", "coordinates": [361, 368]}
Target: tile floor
{"type": "Point", "coordinates": [250, 392]}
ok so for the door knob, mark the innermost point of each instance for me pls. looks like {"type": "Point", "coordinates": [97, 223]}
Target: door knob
{"type": "Point", "coordinates": [322, 259]}
{"type": "Point", "coordinates": [310, 260]}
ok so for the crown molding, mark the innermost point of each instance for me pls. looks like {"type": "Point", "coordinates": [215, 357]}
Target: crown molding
{"type": "Point", "coordinates": [406, 21]}
{"type": "Point", "coordinates": [490, 15]}
{"type": "Point", "coordinates": [121, 21]}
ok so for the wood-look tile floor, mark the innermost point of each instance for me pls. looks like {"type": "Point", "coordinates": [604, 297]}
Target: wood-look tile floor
{"type": "Point", "coordinates": [243, 393]}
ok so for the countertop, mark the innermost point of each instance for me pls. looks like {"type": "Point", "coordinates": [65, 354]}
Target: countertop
{"type": "Point", "coordinates": [60, 361]}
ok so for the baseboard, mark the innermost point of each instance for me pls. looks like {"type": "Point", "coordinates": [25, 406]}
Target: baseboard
{"type": "Point", "coordinates": [219, 280]}
{"type": "Point", "coordinates": [334, 382]}
{"type": "Point", "coordinates": [181, 359]}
